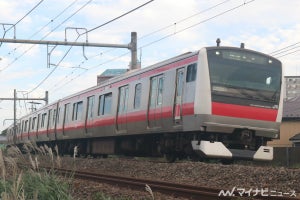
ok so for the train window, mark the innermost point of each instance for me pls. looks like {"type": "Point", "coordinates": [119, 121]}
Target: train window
{"type": "Point", "coordinates": [22, 126]}
{"type": "Point", "coordinates": [44, 115]}
{"type": "Point", "coordinates": [123, 99]}
{"type": "Point", "coordinates": [191, 72]}
{"type": "Point", "coordinates": [67, 113]}
{"type": "Point", "coordinates": [54, 117]}
{"type": "Point", "coordinates": [26, 126]}
{"type": "Point", "coordinates": [77, 110]}
{"type": "Point", "coordinates": [153, 92]}
{"type": "Point", "coordinates": [50, 117]}
{"type": "Point", "coordinates": [90, 107]}
{"type": "Point", "coordinates": [58, 114]}
{"type": "Point", "coordinates": [105, 104]}
{"type": "Point", "coordinates": [33, 123]}
{"type": "Point", "coordinates": [137, 96]}
{"type": "Point", "coordinates": [101, 104]}
{"type": "Point", "coordinates": [160, 90]}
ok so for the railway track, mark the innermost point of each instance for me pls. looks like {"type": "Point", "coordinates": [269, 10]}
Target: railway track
{"type": "Point", "coordinates": [173, 189]}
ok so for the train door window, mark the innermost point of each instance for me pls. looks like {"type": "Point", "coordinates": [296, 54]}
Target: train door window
{"type": "Point", "coordinates": [54, 117]}
{"type": "Point", "coordinates": [50, 118]}
{"type": "Point", "coordinates": [137, 96]}
{"type": "Point", "coordinates": [101, 105]}
{"type": "Point", "coordinates": [67, 113]}
{"type": "Point", "coordinates": [90, 107]}
{"type": "Point", "coordinates": [77, 110]}
{"type": "Point", "coordinates": [26, 126]}
{"type": "Point", "coordinates": [153, 92]}
{"type": "Point", "coordinates": [38, 122]}
{"type": "Point", "coordinates": [123, 100]}
{"type": "Point", "coordinates": [29, 124]}
{"type": "Point", "coordinates": [58, 114]}
{"type": "Point", "coordinates": [105, 104]}
{"type": "Point", "coordinates": [43, 121]}
{"type": "Point", "coordinates": [191, 72]}
{"type": "Point", "coordinates": [160, 90]}
{"type": "Point", "coordinates": [33, 123]}
{"type": "Point", "coordinates": [22, 126]}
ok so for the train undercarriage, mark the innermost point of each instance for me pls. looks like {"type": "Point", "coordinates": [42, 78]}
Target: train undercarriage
{"type": "Point", "coordinates": [241, 144]}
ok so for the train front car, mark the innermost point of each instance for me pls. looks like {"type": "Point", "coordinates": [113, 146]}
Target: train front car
{"type": "Point", "coordinates": [238, 103]}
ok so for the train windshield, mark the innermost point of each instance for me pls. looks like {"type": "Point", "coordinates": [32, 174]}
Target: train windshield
{"type": "Point", "coordinates": [244, 75]}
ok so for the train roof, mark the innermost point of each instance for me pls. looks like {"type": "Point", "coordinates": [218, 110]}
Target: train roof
{"type": "Point", "coordinates": [132, 73]}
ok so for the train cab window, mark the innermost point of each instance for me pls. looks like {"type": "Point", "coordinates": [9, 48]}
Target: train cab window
{"type": "Point", "coordinates": [77, 110]}
{"type": "Point", "coordinates": [191, 72]}
{"type": "Point", "coordinates": [105, 104]}
{"type": "Point", "coordinates": [137, 96]}
{"type": "Point", "coordinates": [90, 107]}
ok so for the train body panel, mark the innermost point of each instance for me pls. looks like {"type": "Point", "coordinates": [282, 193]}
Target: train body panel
{"type": "Point", "coordinates": [209, 95]}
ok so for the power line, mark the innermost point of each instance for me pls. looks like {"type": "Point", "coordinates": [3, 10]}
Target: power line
{"type": "Point", "coordinates": [203, 21]}
{"type": "Point", "coordinates": [118, 17]}
{"type": "Point", "coordinates": [184, 19]}
{"type": "Point", "coordinates": [51, 21]}
{"type": "Point", "coordinates": [167, 36]}
{"type": "Point", "coordinates": [26, 15]}
{"type": "Point", "coordinates": [51, 72]}
{"type": "Point", "coordinates": [47, 35]}
{"type": "Point", "coordinates": [180, 21]}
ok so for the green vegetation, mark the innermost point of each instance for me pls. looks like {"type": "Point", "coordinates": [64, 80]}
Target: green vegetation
{"type": "Point", "coordinates": [35, 183]}
{"type": "Point", "coordinates": [31, 183]}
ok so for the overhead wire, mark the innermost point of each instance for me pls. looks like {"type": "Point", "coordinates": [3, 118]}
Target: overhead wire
{"type": "Point", "coordinates": [48, 34]}
{"type": "Point", "coordinates": [132, 10]}
{"type": "Point", "coordinates": [25, 15]}
{"type": "Point", "coordinates": [167, 36]}
{"type": "Point", "coordinates": [140, 38]}
{"type": "Point", "coordinates": [46, 25]}
{"type": "Point", "coordinates": [119, 17]}
{"type": "Point", "coordinates": [286, 50]}
{"type": "Point", "coordinates": [184, 19]}
{"type": "Point", "coordinates": [51, 72]}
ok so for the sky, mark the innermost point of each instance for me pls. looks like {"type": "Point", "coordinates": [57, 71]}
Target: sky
{"type": "Point", "coordinates": [165, 28]}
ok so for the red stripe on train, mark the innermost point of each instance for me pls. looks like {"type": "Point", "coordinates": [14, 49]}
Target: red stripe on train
{"type": "Point", "coordinates": [248, 112]}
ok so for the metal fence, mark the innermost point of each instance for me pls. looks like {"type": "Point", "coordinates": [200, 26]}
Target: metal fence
{"type": "Point", "coordinates": [287, 156]}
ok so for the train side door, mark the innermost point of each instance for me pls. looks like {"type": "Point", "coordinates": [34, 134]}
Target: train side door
{"type": "Point", "coordinates": [122, 108]}
{"type": "Point", "coordinates": [66, 117]}
{"type": "Point", "coordinates": [89, 113]}
{"type": "Point", "coordinates": [177, 110]}
{"type": "Point", "coordinates": [155, 101]}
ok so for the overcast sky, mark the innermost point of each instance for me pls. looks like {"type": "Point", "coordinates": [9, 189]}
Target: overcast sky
{"type": "Point", "coordinates": [165, 28]}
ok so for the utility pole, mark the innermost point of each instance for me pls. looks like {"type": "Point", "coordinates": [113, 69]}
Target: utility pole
{"type": "Point", "coordinates": [132, 45]}
{"type": "Point", "coordinates": [15, 105]}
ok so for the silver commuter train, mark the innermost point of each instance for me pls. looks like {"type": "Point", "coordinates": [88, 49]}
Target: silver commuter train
{"type": "Point", "coordinates": [219, 102]}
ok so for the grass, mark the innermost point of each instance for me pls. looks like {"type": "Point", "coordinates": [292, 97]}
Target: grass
{"type": "Point", "coordinates": [35, 183]}
{"type": "Point", "coordinates": [31, 183]}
